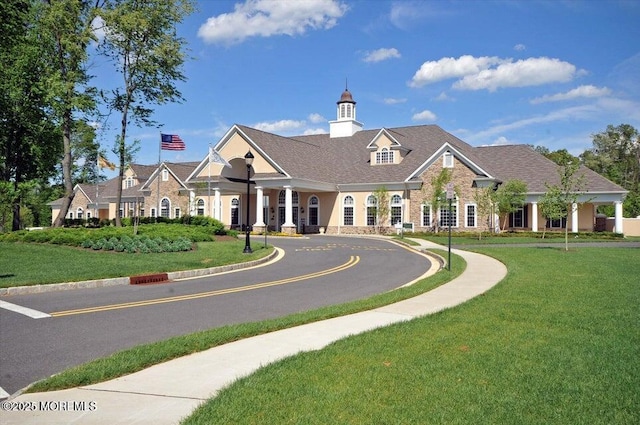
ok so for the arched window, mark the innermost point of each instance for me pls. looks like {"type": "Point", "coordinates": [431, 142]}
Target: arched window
{"type": "Point", "coordinates": [372, 210]}
{"type": "Point", "coordinates": [200, 207]}
{"type": "Point", "coordinates": [80, 213]}
{"type": "Point", "coordinates": [396, 209]}
{"type": "Point", "coordinates": [235, 213]}
{"type": "Point", "coordinates": [314, 210]}
{"type": "Point", "coordinates": [348, 218]}
{"type": "Point", "coordinates": [384, 156]}
{"type": "Point", "coordinates": [165, 208]}
{"type": "Point", "coordinates": [282, 198]}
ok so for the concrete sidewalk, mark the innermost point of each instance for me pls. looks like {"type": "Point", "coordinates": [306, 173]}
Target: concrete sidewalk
{"type": "Point", "coordinates": [168, 392]}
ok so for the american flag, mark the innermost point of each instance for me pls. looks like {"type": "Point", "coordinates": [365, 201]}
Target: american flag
{"type": "Point", "coordinates": [172, 142]}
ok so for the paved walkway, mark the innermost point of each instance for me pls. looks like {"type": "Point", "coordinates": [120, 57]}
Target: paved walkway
{"type": "Point", "coordinates": [168, 392]}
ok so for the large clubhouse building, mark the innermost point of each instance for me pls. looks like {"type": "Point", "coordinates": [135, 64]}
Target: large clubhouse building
{"type": "Point", "coordinates": [327, 182]}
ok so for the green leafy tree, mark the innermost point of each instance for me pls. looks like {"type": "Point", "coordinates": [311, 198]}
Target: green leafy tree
{"type": "Point", "coordinates": [483, 198]}
{"type": "Point", "coordinates": [552, 207]}
{"type": "Point", "coordinates": [65, 30]}
{"type": "Point", "coordinates": [143, 45]}
{"type": "Point", "coordinates": [28, 134]}
{"type": "Point", "coordinates": [560, 156]}
{"type": "Point", "coordinates": [566, 193]}
{"type": "Point", "coordinates": [510, 197]}
{"type": "Point", "coordinates": [616, 155]}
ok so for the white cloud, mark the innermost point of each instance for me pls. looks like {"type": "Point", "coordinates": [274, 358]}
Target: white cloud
{"type": "Point", "coordinates": [575, 113]}
{"type": "Point", "coordinates": [501, 141]}
{"type": "Point", "coordinates": [491, 73]}
{"type": "Point", "coordinates": [443, 97]}
{"type": "Point", "coordinates": [425, 115]}
{"type": "Point", "coordinates": [446, 68]}
{"type": "Point", "coordinates": [381, 55]}
{"type": "Point", "coordinates": [394, 101]}
{"type": "Point", "coordinates": [279, 126]}
{"type": "Point", "coordinates": [523, 73]}
{"type": "Point", "coordinates": [406, 14]}
{"type": "Point", "coordinates": [312, 131]}
{"type": "Point", "coordinates": [265, 18]}
{"type": "Point", "coordinates": [98, 28]}
{"type": "Point", "coordinates": [579, 92]}
{"type": "Point", "coordinates": [316, 118]}
{"type": "Point", "coordinates": [519, 47]}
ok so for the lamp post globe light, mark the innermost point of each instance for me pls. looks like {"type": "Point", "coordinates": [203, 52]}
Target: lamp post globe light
{"type": "Point", "coordinates": [248, 159]}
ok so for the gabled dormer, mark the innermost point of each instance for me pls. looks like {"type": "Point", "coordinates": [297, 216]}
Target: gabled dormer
{"type": "Point", "coordinates": [345, 124]}
{"type": "Point", "coordinates": [385, 149]}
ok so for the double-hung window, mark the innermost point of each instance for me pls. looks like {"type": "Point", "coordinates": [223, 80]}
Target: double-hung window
{"type": "Point", "coordinates": [348, 210]}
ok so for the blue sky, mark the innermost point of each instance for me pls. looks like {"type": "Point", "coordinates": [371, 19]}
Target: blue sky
{"type": "Point", "coordinates": [548, 73]}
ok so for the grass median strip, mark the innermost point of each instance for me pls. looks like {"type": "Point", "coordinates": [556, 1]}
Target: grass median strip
{"type": "Point", "coordinates": [36, 264]}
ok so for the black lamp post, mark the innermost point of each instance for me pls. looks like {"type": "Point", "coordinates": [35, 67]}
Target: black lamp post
{"type": "Point", "coordinates": [248, 159]}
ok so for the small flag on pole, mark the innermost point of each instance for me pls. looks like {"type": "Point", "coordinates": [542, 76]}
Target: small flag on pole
{"type": "Point", "coordinates": [215, 158]}
{"type": "Point", "coordinates": [103, 163]}
{"type": "Point", "coordinates": [172, 142]}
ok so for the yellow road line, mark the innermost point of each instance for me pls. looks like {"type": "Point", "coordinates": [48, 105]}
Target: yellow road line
{"type": "Point", "coordinates": [352, 262]}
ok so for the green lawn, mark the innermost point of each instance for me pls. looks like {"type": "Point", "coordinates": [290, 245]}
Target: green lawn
{"type": "Point", "coordinates": [34, 264]}
{"type": "Point", "coordinates": [557, 342]}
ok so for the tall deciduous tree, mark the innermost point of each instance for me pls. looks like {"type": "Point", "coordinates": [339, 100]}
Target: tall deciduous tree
{"type": "Point", "coordinates": [616, 155]}
{"type": "Point", "coordinates": [66, 30]}
{"type": "Point", "coordinates": [141, 40]}
{"type": "Point", "coordinates": [28, 149]}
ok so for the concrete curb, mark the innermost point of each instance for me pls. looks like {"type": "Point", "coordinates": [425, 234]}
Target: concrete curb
{"type": "Point", "coordinates": [101, 283]}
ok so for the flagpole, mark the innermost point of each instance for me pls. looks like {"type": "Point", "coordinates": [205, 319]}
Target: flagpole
{"type": "Point", "coordinates": [159, 175]}
{"type": "Point", "coordinates": [209, 184]}
{"type": "Point", "coordinates": [96, 206]}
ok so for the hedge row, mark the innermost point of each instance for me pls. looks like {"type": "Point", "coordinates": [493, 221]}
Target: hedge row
{"type": "Point", "coordinates": [139, 244]}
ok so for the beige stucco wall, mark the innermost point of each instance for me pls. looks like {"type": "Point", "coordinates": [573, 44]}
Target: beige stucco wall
{"type": "Point", "coordinates": [630, 226]}
{"type": "Point", "coordinates": [586, 218]}
{"type": "Point", "coordinates": [235, 149]}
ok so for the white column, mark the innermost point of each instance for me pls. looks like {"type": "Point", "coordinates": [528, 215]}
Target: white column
{"type": "Point", "coordinates": [288, 207]}
{"type": "Point", "coordinates": [618, 222]}
{"type": "Point", "coordinates": [259, 207]}
{"type": "Point", "coordinates": [192, 203]}
{"type": "Point", "coordinates": [534, 218]}
{"type": "Point", "coordinates": [217, 210]}
{"type": "Point", "coordinates": [574, 217]}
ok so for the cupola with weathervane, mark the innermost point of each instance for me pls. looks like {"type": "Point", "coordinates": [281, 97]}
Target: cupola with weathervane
{"type": "Point", "coordinates": [345, 124]}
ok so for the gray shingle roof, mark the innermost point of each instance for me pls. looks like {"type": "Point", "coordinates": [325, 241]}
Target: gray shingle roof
{"type": "Point", "coordinates": [345, 160]}
{"type": "Point", "coordinates": [522, 162]}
